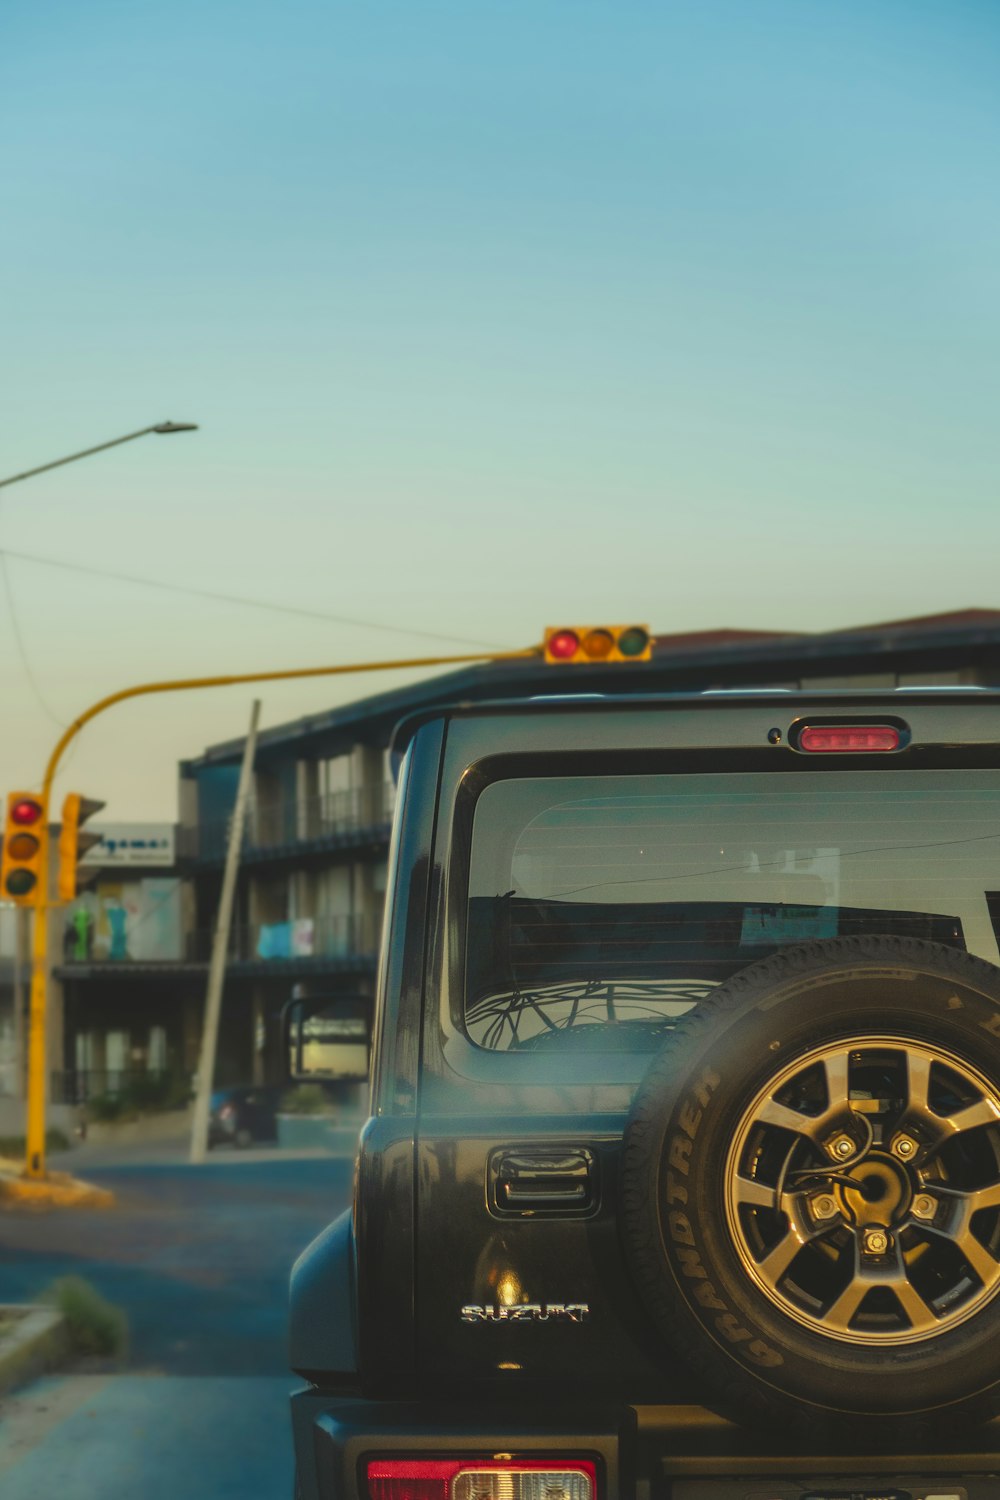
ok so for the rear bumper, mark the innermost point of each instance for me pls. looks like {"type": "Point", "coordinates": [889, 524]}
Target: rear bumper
{"type": "Point", "coordinates": [640, 1452]}
{"type": "Point", "coordinates": [334, 1438]}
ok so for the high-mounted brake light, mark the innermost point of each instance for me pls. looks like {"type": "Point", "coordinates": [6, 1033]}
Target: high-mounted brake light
{"type": "Point", "coordinates": [481, 1479]}
{"type": "Point", "coordinates": [857, 739]}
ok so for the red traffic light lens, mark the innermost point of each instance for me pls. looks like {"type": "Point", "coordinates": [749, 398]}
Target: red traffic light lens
{"type": "Point", "coordinates": [633, 642]}
{"type": "Point", "coordinates": [20, 882]}
{"type": "Point", "coordinates": [563, 644]}
{"type": "Point", "coordinates": [22, 846]}
{"type": "Point", "coordinates": [25, 812]}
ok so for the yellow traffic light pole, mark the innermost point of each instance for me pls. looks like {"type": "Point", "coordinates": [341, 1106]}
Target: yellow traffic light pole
{"type": "Point", "coordinates": [35, 1131]}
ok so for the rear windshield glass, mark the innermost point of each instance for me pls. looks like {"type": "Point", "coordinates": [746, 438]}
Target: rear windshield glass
{"type": "Point", "coordinates": [602, 908]}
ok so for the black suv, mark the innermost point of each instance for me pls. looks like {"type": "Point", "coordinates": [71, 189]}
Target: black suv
{"type": "Point", "coordinates": [683, 1166]}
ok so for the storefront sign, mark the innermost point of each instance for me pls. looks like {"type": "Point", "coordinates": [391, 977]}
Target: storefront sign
{"type": "Point", "coordinates": [133, 844]}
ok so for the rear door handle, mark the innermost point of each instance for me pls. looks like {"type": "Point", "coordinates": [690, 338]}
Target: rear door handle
{"type": "Point", "coordinates": [531, 1180]}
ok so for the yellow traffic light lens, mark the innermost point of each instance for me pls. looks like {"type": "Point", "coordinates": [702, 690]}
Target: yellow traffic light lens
{"type": "Point", "coordinates": [598, 644]}
{"type": "Point", "coordinates": [633, 642]}
{"type": "Point", "coordinates": [20, 882]}
{"type": "Point", "coordinates": [22, 846]}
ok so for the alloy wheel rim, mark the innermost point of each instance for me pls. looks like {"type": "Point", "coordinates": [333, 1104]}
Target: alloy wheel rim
{"type": "Point", "coordinates": [862, 1190]}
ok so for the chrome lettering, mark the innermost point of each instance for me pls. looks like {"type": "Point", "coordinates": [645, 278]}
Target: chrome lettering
{"type": "Point", "coordinates": [526, 1312]}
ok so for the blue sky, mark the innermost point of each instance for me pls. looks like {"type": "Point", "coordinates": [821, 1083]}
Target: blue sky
{"type": "Point", "coordinates": [491, 316]}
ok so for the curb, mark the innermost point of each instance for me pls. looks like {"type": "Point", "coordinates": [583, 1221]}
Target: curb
{"type": "Point", "coordinates": [344, 1141]}
{"type": "Point", "coordinates": [57, 1190]}
{"type": "Point", "coordinates": [323, 1132]}
{"type": "Point", "coordinates": [38, 1343]}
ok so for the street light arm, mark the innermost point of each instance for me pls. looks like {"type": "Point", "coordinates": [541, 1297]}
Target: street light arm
{"type": "Point", "coordinates": [184, 684]}
{"type": "Point", "coordinates": [35, 1125]}
{"type": "Point", "coordinates": [57, 463]}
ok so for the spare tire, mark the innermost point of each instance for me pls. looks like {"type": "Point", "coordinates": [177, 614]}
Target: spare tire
{"type": "Point", "coordinates": [811, 1185]}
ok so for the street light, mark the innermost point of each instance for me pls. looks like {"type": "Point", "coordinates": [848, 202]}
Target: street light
{"type": "Point", "coordinates": [36, 1058]}
{"type": "Point", "coordinates": [35, 1131]}
{"type": "Point", "coordinates": [159, 427]}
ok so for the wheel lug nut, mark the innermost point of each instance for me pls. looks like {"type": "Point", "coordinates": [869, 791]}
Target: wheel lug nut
{"type": "Point", "coordinates": [924, 1206]}
{"type": "Point", "coordinates": [843, 1146]}
{"type": "Point", "coordinates": [824, 1207]}
{"type": "Point", "coordinates": [904, 1147]}
{"type": "Point", "coordinates": [876, 1242]}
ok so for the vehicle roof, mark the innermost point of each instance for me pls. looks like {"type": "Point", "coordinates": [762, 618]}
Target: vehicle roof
{"type": "Point", "coordinates": [890, 698]}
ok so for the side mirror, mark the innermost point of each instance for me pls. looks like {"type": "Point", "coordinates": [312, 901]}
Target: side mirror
{"type": "Point", "coordinates": [328, 1038]}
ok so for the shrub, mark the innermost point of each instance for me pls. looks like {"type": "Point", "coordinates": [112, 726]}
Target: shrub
{"type": "Point", "coordinates": [14, 1146]}
{"type": "Point", "coordinates": [307, 1099]}
{"type": "Point", "coordinates": [178, 1092]}
{"type": "Point", "coordinates": [144, 1091]}
{"type": "Point", "coordinates": [140, 1094]}
{"type": "Point", "coordinates": [105, 1107]}
{"type": "Point", "coordinates": [94, 1325]}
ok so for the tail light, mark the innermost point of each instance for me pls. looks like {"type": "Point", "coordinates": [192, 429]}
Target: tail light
{"type": "Point", "coordinates": [481, 1479]}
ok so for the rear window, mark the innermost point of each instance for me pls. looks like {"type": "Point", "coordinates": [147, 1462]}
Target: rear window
{"type": "Point", "coordinates": [602, 908]}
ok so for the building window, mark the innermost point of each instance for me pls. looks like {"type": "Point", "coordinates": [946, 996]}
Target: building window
{"type": "Point", "coordinates": [156, 1057]}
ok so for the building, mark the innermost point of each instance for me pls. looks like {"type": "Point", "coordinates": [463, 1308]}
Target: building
{"type": "Point", "coordinates": [312, 880]}
{"type": "Point", "coordinates": [313, 865]}
{"type": "Point", "coordinates": [126, 1006]}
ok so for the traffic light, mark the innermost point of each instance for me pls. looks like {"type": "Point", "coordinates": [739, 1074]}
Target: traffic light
{"type": "Point", "coordinates": [25, 833]}
{"type": "Point", "coordinates": [572, 645]}
{"type": "Point", "coordinates": [73, 844]}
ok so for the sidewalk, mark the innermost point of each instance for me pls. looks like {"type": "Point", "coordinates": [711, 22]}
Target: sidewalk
{"type": "Point", "coordinates": [156, 1436]}
{"type": "Point", "coordinates": [175, 1152]}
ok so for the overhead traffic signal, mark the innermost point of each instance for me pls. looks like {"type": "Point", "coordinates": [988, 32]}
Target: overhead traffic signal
{"type": "Point", "coordinates": [573, 645]}
{"type": "Point", "coordinates": [73, 844]}
{"type": "Point", "coordinates": [25, 833]}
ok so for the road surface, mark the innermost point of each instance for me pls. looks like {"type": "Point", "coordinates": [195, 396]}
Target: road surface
{"type": "Point", "coordinates": [199, 1259]}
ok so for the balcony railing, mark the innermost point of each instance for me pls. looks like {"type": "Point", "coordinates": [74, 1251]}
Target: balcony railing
{"type": "Point", "coordinates": [282, 825]}
{"type": "Point", "coordinates": [305, 937]}
{"type": "Point", "coordinates": [302, 938]}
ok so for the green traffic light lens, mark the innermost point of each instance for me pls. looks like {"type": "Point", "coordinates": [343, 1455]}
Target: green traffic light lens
{"type": "Point", "coordinates": [633, 642]}
{"type": "Point", "coordinates": [20, 883]}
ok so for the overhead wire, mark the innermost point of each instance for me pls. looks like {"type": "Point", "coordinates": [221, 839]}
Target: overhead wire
{"type": "Point", "coordinates": [21, 650]}
{"type": "Point", "coordinates": [239, 599]}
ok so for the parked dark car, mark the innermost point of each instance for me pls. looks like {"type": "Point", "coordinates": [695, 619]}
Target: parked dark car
{"type": "Point", "coordinates": [240, 1116]}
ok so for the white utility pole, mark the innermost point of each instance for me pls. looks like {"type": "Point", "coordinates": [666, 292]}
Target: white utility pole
{"type": "Point", "coordinates": [220, 943]}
